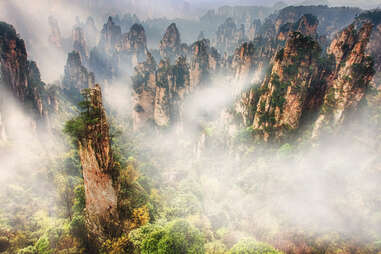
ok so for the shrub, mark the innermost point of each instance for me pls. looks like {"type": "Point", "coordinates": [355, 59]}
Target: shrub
{"type": "Point", "coordinates": [250, 246]}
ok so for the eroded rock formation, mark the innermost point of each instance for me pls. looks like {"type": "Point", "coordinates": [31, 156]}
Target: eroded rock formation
{"type": "Point", "coordinates": [170, 45]}
{"type": "Point", "coordinates": [98, 169]}
{"type": "Point", "coordinates": [76, 76]}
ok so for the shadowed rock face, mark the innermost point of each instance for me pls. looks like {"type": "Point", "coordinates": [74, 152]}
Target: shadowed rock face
{"type": "Point", "coordinates": [229, 36]}
{"type": "Point", "coordinates": [98, 168]}
{"type": "Point", "coordinates": [205, 62]}
{"type": "Point", "coordinates": [76, 76]}
{"type": "Point", "coordinates": [306, 25]}
{"type": "Point", "coordinates": [110, 36]}
{"type": "Point", "coordinates": [170, 45]}
{"type": "Point", "coordinates": [159, 93]}
{"type": "Point", "coordinates": [55, 37]}
{"type": "Point", "coordinates": [374, 45]}
{"type": "Point", "coordinates": [132, 48]}
{"type": "Point", "coordinates": [20, 78]}
{"type": "Point", "coordinates": [79, 44]}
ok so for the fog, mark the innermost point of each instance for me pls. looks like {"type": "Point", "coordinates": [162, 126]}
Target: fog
{"type": "Point", "coordinates": [314, 186]}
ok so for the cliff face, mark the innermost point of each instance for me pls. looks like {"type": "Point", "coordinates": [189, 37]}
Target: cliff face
{"type": "Point", "coordinates": [347, 84]}
{"type": "Point", "coordinates": [76, 76]}
{"type": "Point", "coordinates": [170, 45]}
{"type": "Point", "coordinates": [205, 62]}
{"type": "Point", "coordinates": [374, 45]}
{"type": "Point", "coordinates": [20, 77]}
{"type": "Point", "coordinates": [110, 36]}
{"type": "Point", "coordinates": [144, 90]}
{"type": "Point", "coordinates": [306, 25]}
{"type": "Point", "coordinates": [132, 47]}
{"type": "Point", "coordinates": [172, 86]}
{"type": "Point", "coordinates": [55, 37]}
{"type": "Point", "coordinates": [254, 29]}
{"type": "Point", "coordinates": [98, 168]}
{"type": "Point", "coordinates": [80, 45]}
{"type": "Point", "coordinates": [331, 19]}
{"type": "Point", "coordinates": [159, 92]}
{"type": "Point", "coordinates": [229, 36]}
{"type": "Point", "coordinates": [284, 91]}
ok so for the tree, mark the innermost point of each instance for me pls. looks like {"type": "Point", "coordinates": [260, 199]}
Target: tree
{"type": "Point", "coordinates": [250, 246]}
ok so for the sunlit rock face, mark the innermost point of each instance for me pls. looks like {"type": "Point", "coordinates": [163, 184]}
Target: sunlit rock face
{"type": "Point", "coordinates": [76, 76]}
{"type": "Point", "coordinates": [171, 46]}
{"type": "Point", "coordinates": [98, 168]}
{"type": "Point", "coordinates": [20, 78]}
{"type": "Point", "coordinates": [229, 36]}
{"type": "Point", "coordinates": [284, 90]}
{"type": "Point", "coordinates": [374, 45]}
{"type": "Point", "coordinates": [347, 84]}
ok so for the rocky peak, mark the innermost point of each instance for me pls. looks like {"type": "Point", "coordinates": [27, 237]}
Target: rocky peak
{"type": "Point", "coordinates": [20, 77]}
{"type": "Point", "coordinates": [98, 167]}
{"type": "Point", "coordinates": [229, 36]}
{"type": "Point", "coordinates": [91, 32]}
{"type": "Point", "coordinates": [55, 33]}
{"type": "Point", "coordinates": [347, 84]}
{"type": "Point", "coordinates": [306, 25]}
{"type": "Point", "coordinates": [110, 36]}
{"type": "Point", "coordinates": [170, 45]}
{"type": "Point", "coordinates": [144, 90]}
{"type": "Point", "coordinates": [285, 90]}
{"type": "Point", "coordinates": [79, 44]}
{"type": "Point", "coordinates": [374, 45]}
{"type": "Point", "coordinates": [254, 29]}
{"type": "Point", "coordinates": [135, 39]}
{"type": "Point", "coordinates": [76, 76]}
{"type": "Point", "coordinates": [205, 61]}
{"type": "Point", "coordinates": [133, 46]}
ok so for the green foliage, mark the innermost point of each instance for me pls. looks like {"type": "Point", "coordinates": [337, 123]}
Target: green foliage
{"type": "Point", "coordinates": [77, 127]}
{"type": "Point", "coordinates": [177, 237]}
{"type": "Point", "coordinates": [43, 246]}
{"type": "Point", "coordinates": [250, 246]}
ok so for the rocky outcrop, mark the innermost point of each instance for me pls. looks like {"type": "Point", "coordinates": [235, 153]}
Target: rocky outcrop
{"type": "Point", "coordinates": [229, 36]}
{"type": "Point", "coordinates": [91, 32]}
{"type": "Point", "coordinates": [205, 62]}
{"type": "Point", "coordinates": [347, 84]}
{"type": "Point", "coordinates": [159, 93]}
{"type": "Point", "coordinates": [133, 47]}
{"type": "Point", "coordinates": [110, 36]}
{"type": "Point", "coordinates": [76, 76]}
{"type": "Point", "coordinates": [98, 169]}
{"type": "Point", "coordinates": [331, 19]}
{"type": "Point", "coordinates": [20, 78]}
{"type": "Point", "coordinates": [79, 44]}
{"type": "Point", "coordinates": [172, 87]}
{"type": "Point", "coordinates": [144, 91]}
{"type": "Point", "coordinates": [374, 45]}
{"type": "Point", "coordinates": [55, 37]}
{"type": "Point", "coordinates": [306, 25]}
{"type": "Point", "coordinates": [170, 45]}
{"type": "Point", "coordinates": [254, 29]}
{"type": "Point", "coordinates": [285, 89]}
